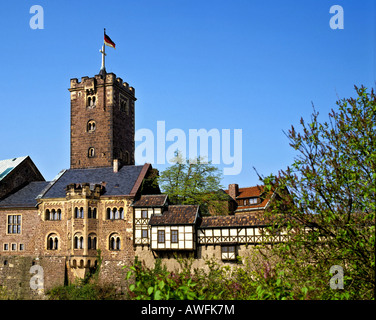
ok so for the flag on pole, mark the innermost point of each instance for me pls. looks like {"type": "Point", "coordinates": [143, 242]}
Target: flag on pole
{"type": "Point", "coordinates": [108, 41]}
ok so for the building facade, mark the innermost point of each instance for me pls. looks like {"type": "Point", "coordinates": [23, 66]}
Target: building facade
{"type": "Point", "coordinates": [104, 209]}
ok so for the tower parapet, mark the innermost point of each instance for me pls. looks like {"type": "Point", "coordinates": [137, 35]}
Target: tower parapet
{"type": "Point", "coordinates": [102, 121]}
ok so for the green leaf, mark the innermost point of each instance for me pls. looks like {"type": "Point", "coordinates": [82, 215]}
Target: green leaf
{"type": "Point", "coordinates": [158, 295]}
{"type": "Point", "coordinates": [161, 285]}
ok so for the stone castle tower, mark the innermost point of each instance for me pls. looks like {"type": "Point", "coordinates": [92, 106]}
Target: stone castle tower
{"type": "Point", "coordinates": [102, 121]}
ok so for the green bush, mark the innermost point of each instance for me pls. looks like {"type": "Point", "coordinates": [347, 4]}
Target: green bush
{"type": "Point", "coordinates": [240, 282]}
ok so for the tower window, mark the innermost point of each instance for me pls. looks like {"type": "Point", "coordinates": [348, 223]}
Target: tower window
{"type": "Point", "coordinates": [124, 106]}
{"type": "Point", "coordinates": [91, 126]}
{"type": "Point", "coordinates": [91, 152]}
{"type": "Point", "coordinates": [91, 101]}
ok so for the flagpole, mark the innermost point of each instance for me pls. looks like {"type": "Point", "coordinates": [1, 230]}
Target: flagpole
{"type": "Point", "coordinates": [103, 52]}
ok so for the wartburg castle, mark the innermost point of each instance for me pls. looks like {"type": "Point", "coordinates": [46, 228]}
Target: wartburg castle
{"type": "Point", "coordinates": [105, 202]}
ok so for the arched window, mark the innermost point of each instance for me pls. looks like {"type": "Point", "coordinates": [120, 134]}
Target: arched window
{"type": "Point", "coordinates": [78, 242]}
{"type": "Point", "coordinates": [127, 157]}
{"type": "Point", "coordinates": [91, 101]}
{"type": "Point", "coordinates": [58, 214]}
{"type": "Point", "coordinates": [79, 213]}
{"type": "Point", "coordinates": [116, 213]}
{"type": "Point", "coordinates": [114, 242]}
{"type": "Point", "coordinates": [52, 242]}
{"type": "Point", "coordinates": [47, 216]}
{"type": "Point", "coordinates": [91, 126]}
{"type": "Point", "coordinates": [92, 213]}
{"type": "Point", "coordinates": [92, 241]}
{"type": "Point", "coordinates": [91, 152]}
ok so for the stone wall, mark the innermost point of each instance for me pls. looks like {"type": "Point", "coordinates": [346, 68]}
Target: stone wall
{"type": "Point", "coordinates": [16, 275]}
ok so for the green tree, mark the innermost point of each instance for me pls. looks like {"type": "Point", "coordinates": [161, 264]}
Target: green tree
{"type": "Point", "coordinates": [331, 202]}
{"type": "Point", "coordinates": [193, 182]}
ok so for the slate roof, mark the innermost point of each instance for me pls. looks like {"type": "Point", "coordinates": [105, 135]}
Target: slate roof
{"type": "Point", "coordinates": [6, 166]}
{"type": "Point", "coordinates": [25, 197]}
{"type": "Point", "coordinates": [234, 221]}
{"type": "Point", "coordinates": [115, 183]}
{"type": "Point", "coordinates": [176, 215]}
{"type": "Point", "coordinates": [154, 200]}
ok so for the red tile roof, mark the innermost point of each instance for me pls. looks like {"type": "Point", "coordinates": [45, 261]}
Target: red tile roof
{"type": "Point", "coordinates": [252, 192]}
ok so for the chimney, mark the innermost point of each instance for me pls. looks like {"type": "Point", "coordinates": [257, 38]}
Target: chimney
{"type": "Point", "coordinates": [233, 190]}
{"type": "Point", "coordinates": [116, 165]}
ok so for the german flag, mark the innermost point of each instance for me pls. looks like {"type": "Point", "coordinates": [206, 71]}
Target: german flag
{"type": "Point", "coordinates": [108, 41]}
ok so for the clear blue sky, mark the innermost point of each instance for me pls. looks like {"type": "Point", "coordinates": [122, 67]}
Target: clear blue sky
{"type": "Point", "coordinates": [242, 64]}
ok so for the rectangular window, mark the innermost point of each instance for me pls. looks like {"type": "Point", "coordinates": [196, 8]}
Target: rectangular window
{"type": "Point", "coordinates": [144, 233]}
{"type": "Point", "coordinates": [144, 214]}
{"type": "Point", "coordinates": [161, 236]}
{"type": "Point", "coordinates": [174, 236]}
{"type": "Point", "coordinates": [14, 246]}
{"type": "Point", "coordinates": [6, 247]}
{"type": "Point", "coordinates": [21, 247]}
{"type": "Point", "coordinates": [14, 224]}
{"type": "Point", "coordinates": [253, 201]}
{"type": "Point", "coordinates": [228, 253]}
